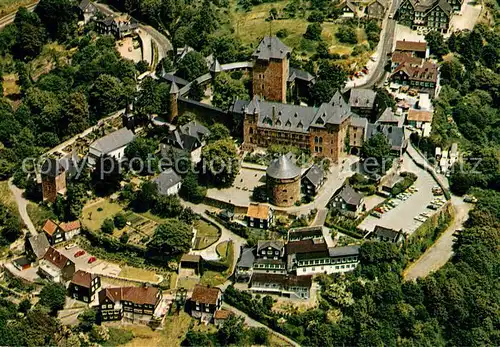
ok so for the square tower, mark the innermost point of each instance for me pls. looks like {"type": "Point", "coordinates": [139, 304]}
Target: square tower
{"type": "Point", "coordinates": [270, 70]}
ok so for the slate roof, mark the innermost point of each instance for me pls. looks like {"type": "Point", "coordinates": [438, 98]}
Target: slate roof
{"type": "Point", "coordinates": [247, 257]}
{"type": "Point", "coordinates": [137, 295]}
{"type": "Point", "coordinates": [271, 48]}
{"type": "Point", "coordinates": [39, 244]}
{"type": "Point", "coordinates": [113, 141]}
{"type": "Point", "coordinates": [264, 244]}
{"type": "Point", "coordinates": [388, 117]}
{"type": "Point", "coordinates": [283, 280]}
{"type": "Point", "coordinates": [350, 196]}
{"type": "Point", "coordinates": [364, 98]}
{"type": "Point", "coordinates": [83, 4]}
{"type": "Point", "coordinates": [305, 246]}
{"type": "Point", "coordinates": [83, 278]}
{"type": "Point", "coordinates": [395, 135]}
{"type": "Point", "coordinates": [283, 168]}
{"type": "Point", "coordinates": [315, 175]}
{"type": "Point", "coordinates": [58, 259]}
{"type": "Point", "coordinates": [173, 88]}
{"type": "Point", "coordinates": [343, 251]}
{"type": "Point", "coordinates": [205, 295]}
{"type": "Point", "coordinates": [166, 180]}
{"type": "Point", "coordinates": [300, 75]}
{"type": "Point", "coordinates": [259, 211]}
{"type": "Point", "coordinates": [170, 77]}
{"type": "Point", "coordinates": [387, 233]}
{"type": "Point", "coordinates": [411, 46]}
{"type": "Point", "coordinates": [359, 122]}
{"type": "Point", "coordinates": [186, 136]}
{"type": "Point", "coordinates": [215, 67]}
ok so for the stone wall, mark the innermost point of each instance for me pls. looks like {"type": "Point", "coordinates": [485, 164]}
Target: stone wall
{"type": "Point", "coordinates": [284, 193]}
{"type": "Point", "coordinates": [269, 79]}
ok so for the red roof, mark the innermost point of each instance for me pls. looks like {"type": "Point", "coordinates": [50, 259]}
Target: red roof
{"type": "Point", "coordinates": [222, 314]}
{"type": "Point", "coordinates": [305, 246]}
{"type": "Point", "coordinates": [50, 227]}
{"type": "Point", "coordinates": [136, 295]}
{"type": "Point", "coordinates": [404, 57]}
{"type": "Point", "coordinates": [205, 295]}
{"type": "Point", "coordinates": [427, 72]}
{"type": "Point", "coordinates": [83, 278]}
{"type": "Point", "coordinates": [56, 258]}
{"type": "Point", "coordinates": [419, 116]}
{"type": "Point", "coordinates": [70, 226]}
{"type": "Point", "coordinates": [411, 46]}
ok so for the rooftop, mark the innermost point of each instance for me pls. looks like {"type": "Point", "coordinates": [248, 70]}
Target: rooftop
{"type": "Point", "coordinates": [411, 46]}
{"type": "Point", "coordinates": [283, 168]}
{"type": "Point", "coordinates": [419, 115]}
{"type": "Point", "coordinates": [305, 246]}
{"type": "Point", "coordinates": [315, 175]}
{"type": "Point", "coordinates": [362, 98]}
{"type": "Point", "coordinates": [247, 257]}
{"type": "Point", "coordinates": [39, 244]}
{"type": "Point", "coordinates": [83, 278]}
{"type": "Point", "coordinates": [283, 280]}
{"type": "Point", "coordinates": [343, 251]}
{"type": "Point", "coordinates": [205, 295]}
{"type": "Point", "coordinates": [259, 211]}
{"type": "Point", "coordinates": [395, 135]}
{"type": "Point", "coordinates": [350, 196]}
{"type": "Point", "coordinates": [166, 180]}
{"type": "Point", "coordinates": [271, 48]}
{"type": "Point", "coordinates": [277, 244]}
{"type": "Point", "coordinates": [113, 141]}
{"type": "Point", "coordinates": [138, 295]}
{"type": "Point", "coordinates": [56, 258]}
{"type": "Point", "coordinates": [50, 227]}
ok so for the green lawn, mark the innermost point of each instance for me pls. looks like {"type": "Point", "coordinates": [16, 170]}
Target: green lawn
{"type": "Point", "coordinates": [7, 199]}
{"type": "Point", "coordinates": [212, 278]}
{"type": "Point", "coordinates": [9, 6]}
{"type": "Point", "coordinates": [206, 234]}
{"type": "Point", "coordinates": [94, 214]}
{"type": "Point", "coordinates": [39, 214]}
{"type": "Point", "coordinates": [138, 273]}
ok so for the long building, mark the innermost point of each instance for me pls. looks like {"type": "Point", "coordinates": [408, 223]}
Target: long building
{"type": "Point", "coordinates": [430, 15]}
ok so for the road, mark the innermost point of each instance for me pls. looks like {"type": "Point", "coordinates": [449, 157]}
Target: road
{"type": "Point", "coordinates": [255, 324]}
{"type": "Point", "coordinates": [5, 20]}
{"type": "Point", "coordinates": [442, 250]}
{"type": "Point", "coordinates": [163, 44]}
{"type": "Point", "coordinates": [22, 203]}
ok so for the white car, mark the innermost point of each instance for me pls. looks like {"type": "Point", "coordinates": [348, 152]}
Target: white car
{"type": "Point", "coordinates": [70, 246]}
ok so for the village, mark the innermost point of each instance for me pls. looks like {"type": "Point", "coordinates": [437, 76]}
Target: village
{"type": "Point", "coordinates": [311, 183]}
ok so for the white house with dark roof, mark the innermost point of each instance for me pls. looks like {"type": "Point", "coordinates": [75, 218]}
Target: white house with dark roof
{"type": "Point", "coordinates": [189, 138]}
{"type": "Point", "coordinates": [348, 200]}
{"type": "Point", "coordinates": [313, 180]}
{"type": "Point", "coordinates": [168, 182]}
{"type": "Point", "coordinates": [112, 145]}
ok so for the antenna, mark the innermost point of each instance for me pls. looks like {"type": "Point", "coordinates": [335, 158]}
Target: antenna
{"type": "Point", "coordinates": [271, 28]}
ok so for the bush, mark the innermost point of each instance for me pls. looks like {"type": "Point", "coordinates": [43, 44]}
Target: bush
{"type": "Point", "coordinates": [359, 49]}
{"type": "Point", "coordinates": [108, 226]}
{"type": "Point", "coordinates": [120, 221]}
{"type": "Point", "coordinates": [282, 33]}
{"type": "Point", "coordinates": [347, 34]}
{"type": "Point", "coordinates": [313, 32]}
{"type": "Point", "coordinates": [408, 179]}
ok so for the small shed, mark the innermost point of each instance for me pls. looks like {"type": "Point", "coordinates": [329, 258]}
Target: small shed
{"type": "Point", "coordinates": [190, 261]}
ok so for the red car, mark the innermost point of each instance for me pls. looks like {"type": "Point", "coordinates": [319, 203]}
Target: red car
{"type": "Point", "coordinates": [91, 260]}
{"type": "Point", "coordinates": [79, 253]}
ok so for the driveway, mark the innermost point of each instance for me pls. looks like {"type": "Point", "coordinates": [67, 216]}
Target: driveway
{"type": "Point", "coordinates": [22, 203]}
{"type": "Point", "coordinates": [442, 250]}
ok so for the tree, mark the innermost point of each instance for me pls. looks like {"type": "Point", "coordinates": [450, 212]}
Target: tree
{"type": "Point", "coordinates": [260, 336]}
{"type": "Point", "coordinates": [76, 113]}
{"type": "Point", "coordinates": [218, 132]}
{"type": "Point", "coordinates": [171, 237]}
{"type": "Point", "coordinates": [87, 320]}
{"type": "Point", "coordinates": [59, 18]}
{"type": "Point", "coordinates": [140, 154]}
{"type": "Point", "coordinates": [316, 16]}
{"type": "Point", "coordinates": [347, 34]}
{"type": "Point", "coordinates": [377, 148]}
{"type": "Point", "coordinates": [108, 226]}
{"type": "Point", "coordinates": [191, 190]}
{"type": "Point", "coordinates": [197, 338]}
{"type": "Point", "coordinates": [167, 206]}
{"type": "Point", "coordinates": [142, 66]}
{"type": "Point", "coordinates": [24, 306]}
{"type": "Point", "coordinates": [232, 331]}
{"type": "Point", "coordinates": [221, 162]}
{"type": "Point", "coordinates": [148, 100]}
{"type": "Point", "coordinates": [227, 90]}
{"type": "Point", "coordinates": [322, 92]}
{"type": "Point", "coordinates": [53, 296]}
{"type": "Point", "coordinates": [119, 221]}
{"type": "Point", "coordinates": [146, 196]}
{"type": "Point", "coordinates": [197, 91]}
{"type": "Point", "coordinates": [31, 34]}
{"type": "Point", "coordinates": [436, 43]}
{"type": "Point", "coordinates": [107, 175]}
{"type": "Point", "coordinates": [313, 32]}
{"type": "Point", "coordinates": [164, 66]}
{"type": "Point", "coordinates": [106, 95]}
{"type": "Point", "coordinates": [260, 194]}
{"type": "Point", "coordinates": [193, 65]}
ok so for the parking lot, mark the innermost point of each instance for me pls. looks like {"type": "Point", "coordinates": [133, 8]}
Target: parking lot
{"type": "Point", "coordinates": [82, 262]}
{"type": "Point", "coordinates": [402, 216]}
{"type": "Point", "coordinates": [242, 187]}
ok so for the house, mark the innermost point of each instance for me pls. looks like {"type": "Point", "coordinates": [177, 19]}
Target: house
{"type": "Point", "coordinates": [376, 9]}
{"type": "Point", "coordinates": [56, 267]}
{"type": "Point", "coordinates": [36, 246]}
{"type": "Point", "coordinates": [168, 182]}
{"type": "Point", "coordinates": [118, 26]}
{"type": "Point", "coordinates": [112, 145]}
{"type": "Point", "coordinates": [388, 117]}
{"type": "Point", "coordinates": [418, 118]}
{"type": "Point", "coordinates": [64, 231]}
{"type": "Point", "coordinates": [244, 266]}
{"type": "Point", "coordinates": [357, 134]}
{"type": "Point", "coordinates": [349, 9]}
{"type": "Point", "coordinates": [389, 181]}
{"type": "Point", "coordinates": [313, 180]}
{"type": "Point", "coordinates": [21, 263]}
{"type": "Point", "coordinates": [394, 135]}
{"type": "Point", "coordinates": [305, 233]}
{"type": "Point", "coordinates": [70, 229]}
{"type": "Point", "coordinates": [408, 58]}
{"type": "Point", "coordinates": [53, 176]}
{"type": "Point", "coordinates": [116, 303]}
{"type": "Point", "coordinates": [381, 233]}
{"type": "Point", "coordinates": [191, 261]}
{"type": "Point", "coordinates": [453, 153]}
{"type": "Point", "coordinates": [348, 200]}
{"type": "Point", "coordinates": [53, 232]}
{"type": "Point", "coordinates": [221, 316]}
{"type": "Point", "coordinates": [86, 10]}
{"type": "Point", "coordinates": [314, 256]}
{"type": "Point", "coordinates": [362, 102]}
{"type": "Point", "coordinates": [291, 286]}
{"type": "Point", "coordinates": [426, 15]}
{"type": "Point", "coordinates": [269, 259]}
{"type": "Point", "coordinates": [414, 49]}
{"type": "Point", "coordinates": [188, 138]}
{"type": "Point", "coordinates": [423, 78]}
{"type": "Point", "coordinates": [204, 302]}
{"type": "Point", "coordinates": [84, 286]}
{"type": "Point", "coordinates": [300, 82]}
{"type": "Point", "coordinates": [259, 216]}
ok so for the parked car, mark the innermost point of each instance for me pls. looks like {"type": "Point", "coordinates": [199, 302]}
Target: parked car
{"type": "Point", "coordinates": [376, 214]}
{"type": "Point", "coordinates": [470, 198]}
{"type": "Point", "coordinates": [70, 246]}
{"type": "Point", "coordinates": [79, 253]}
{"type": "Point", "coordinates": [92, 259]}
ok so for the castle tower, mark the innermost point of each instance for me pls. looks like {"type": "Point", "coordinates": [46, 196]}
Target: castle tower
{"type": "Point", "coordinates": [215, 69]}
{"type": "Point", "coordinates": [283, 182]}
{"type": "Point", "coordinates": [174, 108]}
{"type": "Point", "coordinates": [270, 70]}
{"type": "Point", "coordinates": [53, 180]}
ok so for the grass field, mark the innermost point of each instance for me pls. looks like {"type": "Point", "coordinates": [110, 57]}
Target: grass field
{"type": "Point", "coordinates": [10, 86]}
{"type": "Point", "coordinates": [95, 214]}
{"type": "Point", "coordinates": [206, 234]}
{"type": "Point", "coordinates": [6, 197]}
{"type": "Point", "coordinates": [212, 278]}
{"type": "Point", "coordinates": [39, 214]}
{"type": "Point", "coordinates": [251, 26]}
{"type": "Point", "coordinates": [137, 273]}
{"type": "Point", "coordinates": [222, 249]}
{"type": "Point", "coordinates": [9, 6]}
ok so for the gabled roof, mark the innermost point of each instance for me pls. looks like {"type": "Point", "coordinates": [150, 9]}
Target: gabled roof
{"type": "Point", "coordinates": [427, 72]}
{"type": "Point", "coordinates": [419, 115]}
{"type": "Point", "coordinates": [393, 235]}
{"type": "Point", "coordinates": [247, 257]}
{"type": "Point", "coordinates": [300, 75]}
{"type": "Point", "coordinates": [205, 295]}
{"type": "Point", "coordinates": [315, 175]}
{"type": "Point", "coordinates": [305, 246]}
{"type": "Point", "coordinates": [271, 48]}
{"type": "Point", "coordinates": [70, 226]}
{"type": "Point", "coordinates": [188, 135]}
{"type": "Point", "coordinates": [56, 258]}
{"type": "Point", "coordinates": [170, 77]}
{"type": "Point", "coordinates": [222, 314]}
{"type": "Point", "coordinates": [411, 46]}
{"type": "Point", "coordinates": [259, 211]}
{"type": "Point", "coordinates": [50, 227]}
{"type": "Point", "coordinates": [166, 180]}
{"type": "Point", "coordinates": [215, 67]}
{"type": "Point", "coordinates": [362, 98]}
{"type": "Point", "coordinates": [388, 117]}
{"type": "Point", "coordinates": [350, 196]}
{"type": "Point", "coordinates": [137, 295]}
{"type": "Point", "coordinates": [173, 88]}
{"type": "Point", "coordinates": [83, 278]}
{"type": "Point", "coordinates": [399, 57]}
{"type": "Point", "coordinates": [395, 135]}
{"type": "Point", "coordinates": [264, 244]}
{"type": "Point", "coordinates": [39, 244]}
{"type": "Point", "coordinates": [283, 168]}
{"type": "Point", "coordinates": [343, 251]}
{"type": "Point", "coordinates": [113, 141]}
{"type": "Point", "coordinates": [359, 122]}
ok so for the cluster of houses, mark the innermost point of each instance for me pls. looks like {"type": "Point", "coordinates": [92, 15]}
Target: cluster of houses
{"type": "Point", "coordinates": [428, 15]}
{"type": "Point", "coordinates": [286, 267]}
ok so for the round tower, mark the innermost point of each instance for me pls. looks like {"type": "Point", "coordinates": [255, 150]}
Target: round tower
{"type": "Point", "coordinates": [174, 108]}
{"type": "Point", "coordinates": [283, 182]}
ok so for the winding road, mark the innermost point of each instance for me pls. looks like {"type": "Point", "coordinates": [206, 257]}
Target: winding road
{"type": "Point", "coordinates": [22, 204]}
